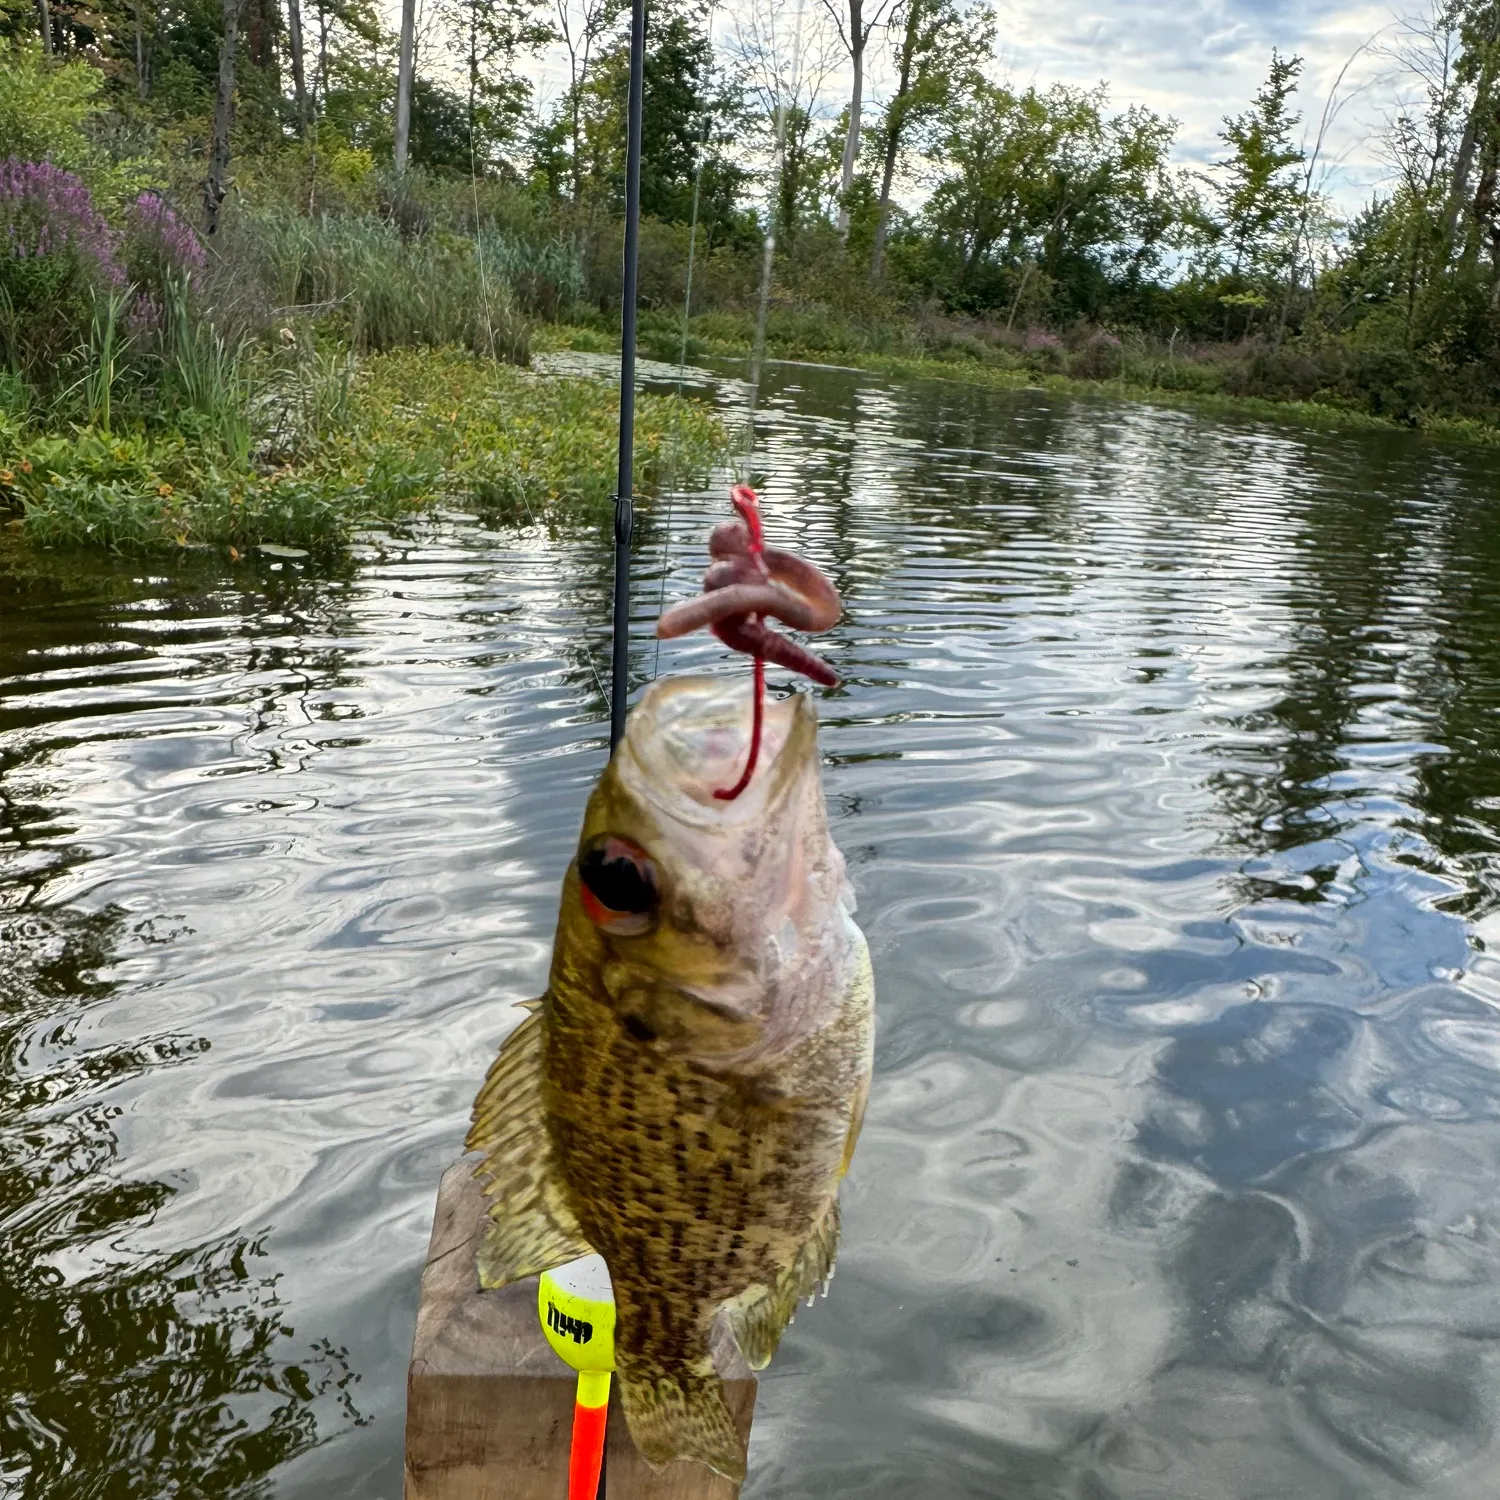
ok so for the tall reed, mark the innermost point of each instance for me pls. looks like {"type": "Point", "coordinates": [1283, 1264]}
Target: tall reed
{"type": "Point", "coordinates": [388, 290]}
{"type": "Point", "coordinates": [205, 377]}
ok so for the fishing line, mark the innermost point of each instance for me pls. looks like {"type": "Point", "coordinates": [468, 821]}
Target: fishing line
{"type": "Point", "coordinates": [484, 289]}
{"type": "Point", "coordinates": [583, 645]}
{"type": "Point", "coordinates": [687, 304]}
{"type": "Point", "coordinates": [489, 326]}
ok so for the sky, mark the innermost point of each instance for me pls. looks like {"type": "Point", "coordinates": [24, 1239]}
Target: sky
{"type": "Point", "coordinates": [1198, 60]}
{"type": "Point", "coordinates": [1195, 60]}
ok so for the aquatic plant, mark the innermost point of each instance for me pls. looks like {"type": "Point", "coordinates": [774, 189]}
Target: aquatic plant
{"type": "Point", "coordinates": [57, 256]}
{"type": "Point", "coordinates": [205, 382]}
{"type": "Point", "coordinates": [412, 429]}
{"type": "Point", "coordinates": [48, 214]}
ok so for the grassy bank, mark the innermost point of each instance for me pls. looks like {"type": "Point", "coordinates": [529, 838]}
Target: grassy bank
{"type": "Point", "coordinates": [1328, 388]}
{"type": "Point", "coordinates": [342, 443]}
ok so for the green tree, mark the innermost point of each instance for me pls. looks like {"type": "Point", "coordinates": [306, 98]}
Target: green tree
{"type": "Point", "coordinates": [687, 111]}
{"type": "Point", "coordinates": [1047, 185]}
{"type": "Point", "coordinates": [1261, 197]}
{"type": "Point", "coordinates": [494, 38]}
{"type": "Point", "coordinates": [936, 45]}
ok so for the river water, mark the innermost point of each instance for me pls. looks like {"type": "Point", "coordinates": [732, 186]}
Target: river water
{"type": "Point", "coordinates": [1167, 764]}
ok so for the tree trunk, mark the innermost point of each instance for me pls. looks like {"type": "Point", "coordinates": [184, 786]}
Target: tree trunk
{"type": "Point", "coordinates": [404, 74]}
{"type": "Point", "coordinates": [217, 184]}
{"type": "Point", "coordinates": [895, 121]}
{"type": "Point", "coordinates": [857, 40]}
{"type": "Point", "coordinates": [473, 81]}
{"type": "Point", "coordinates": [322, 85]}
{"type": "Point", "coordinates": [299, 69]}
{"type": "Point", "coordinates": [46, 11]}
{"type": "Point", "coordinates": [1463, 162]}
{"type": "Point", "coordinates": [142, 83]}
{"type": "Point", "coordinates": [882, 217]}
{"type": "Point", "coordinates": [259, 48]}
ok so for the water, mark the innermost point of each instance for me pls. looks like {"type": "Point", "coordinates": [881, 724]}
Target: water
{"type": "Point", "coordinates": [1168, 768]}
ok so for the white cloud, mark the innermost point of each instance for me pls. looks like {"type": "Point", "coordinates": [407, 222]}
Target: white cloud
{"type": "Point", "coordinates": [1199, 60]}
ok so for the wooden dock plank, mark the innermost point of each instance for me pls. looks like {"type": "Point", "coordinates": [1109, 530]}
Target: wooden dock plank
{"type": "Point", "coordinates": [489, 1408]}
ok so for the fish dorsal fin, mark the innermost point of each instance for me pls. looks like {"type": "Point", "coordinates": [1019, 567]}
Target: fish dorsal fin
{"type": "Point", "coordinates": [758, 1321]}
{"type": "Point", "coordinates": [532, 1228]}
{"type": "Point", "coordinates": [681, 1416]}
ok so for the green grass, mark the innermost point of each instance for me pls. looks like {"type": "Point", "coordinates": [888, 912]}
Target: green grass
{"type": "Point", "coordinates": [818, 339]}
{"type": "Point", "coordinates": [350, 446]}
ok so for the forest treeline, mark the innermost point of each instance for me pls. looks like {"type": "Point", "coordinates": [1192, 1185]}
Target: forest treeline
{"type": "Point", "coordinates": [947, 213]}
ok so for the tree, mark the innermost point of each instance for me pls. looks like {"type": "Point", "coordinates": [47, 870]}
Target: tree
{"type": "Point", "coordinates": [1045, 185]}
{"type": "Point", "coordinates": [216, 185]}
{"type": "Point", "coordinates": [1418, 146]}
{"type": "Point", "coordinates": [785, 79]}
{"type": "Point", "coordinates": [854, 23]}
{"type": "Point", "coordinates": [299, 72]}
{"type": "Point", "coordinates": [1260, 197]}
{"type": "Point", "coordinates": [1479, 66]}
{"type": "Point", "coordinates": [405, 73]}
{"type": "Point", "coordinates": [583, 26]}
{"type": "Point", "coordinates": [687, 114]}
{"type": "Point", "coordinates": [492, 37]}
{"type": "Point", "coordinates": [935, 45]}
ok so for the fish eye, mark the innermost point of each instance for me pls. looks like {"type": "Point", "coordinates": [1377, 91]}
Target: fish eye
{"type": "Point", "coordinates": [617, 884]}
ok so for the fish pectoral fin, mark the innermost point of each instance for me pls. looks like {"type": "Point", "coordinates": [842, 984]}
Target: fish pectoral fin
{"type": "Point", "coordinates": [681, 1416]}
{"type": "Point", "coordinates": [759, 1321]}
{"type": "Point", "coordinates": [532, 1228]}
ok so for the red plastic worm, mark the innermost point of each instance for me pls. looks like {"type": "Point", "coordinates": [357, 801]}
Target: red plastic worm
{"type": "Point", "coordinates": [746, 583]}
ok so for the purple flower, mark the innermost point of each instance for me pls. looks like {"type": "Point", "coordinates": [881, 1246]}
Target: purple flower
{"type": "Point", "coordinates": [158, 244]}
{"type": "Point", "coordinates": [145, 315]}
{"type": "Point", "coordinates": [49, 212]}
{"type": "Point", "coordinates": [1039, 341]}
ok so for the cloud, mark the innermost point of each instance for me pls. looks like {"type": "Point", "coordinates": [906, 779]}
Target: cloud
{"type": "Point", "coordinates": [1200, 60]}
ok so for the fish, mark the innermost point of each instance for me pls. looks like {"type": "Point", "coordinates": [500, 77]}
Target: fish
{"type": "Point", "coordinates": [686, 1097]}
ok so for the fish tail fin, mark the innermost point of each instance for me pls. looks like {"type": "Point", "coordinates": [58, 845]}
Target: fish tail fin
{"type": "Point", "coordinates": [682, 1416]}
{"type": "Point", "coordinates": [531, 1227]}
{"type": "Point", "coordinates": [760, 1319]}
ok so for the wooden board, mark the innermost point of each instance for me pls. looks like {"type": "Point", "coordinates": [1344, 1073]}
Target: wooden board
{"type": "Point", "coordinates": [489, 1407]}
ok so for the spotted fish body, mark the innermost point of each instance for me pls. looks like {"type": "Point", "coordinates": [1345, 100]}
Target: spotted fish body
{"type": "Point", "coordinates": [687, 1095]}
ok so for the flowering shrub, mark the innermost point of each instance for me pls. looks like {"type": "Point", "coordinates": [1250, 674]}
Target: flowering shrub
{"type": "Point", "coordinates": [56, 254]}
{"type": "Point", "coordinates": [1039, 341]}
{"type": "Point", "coordinates": [49, 214]}
{"type": "Point", "coordinates": [1101, 357]}
{"type": "Point", "coordinates": [158, 247]}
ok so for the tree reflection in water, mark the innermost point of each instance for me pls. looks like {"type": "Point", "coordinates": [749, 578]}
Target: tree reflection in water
{"type": "Point", "coordinates": [123, 1372]}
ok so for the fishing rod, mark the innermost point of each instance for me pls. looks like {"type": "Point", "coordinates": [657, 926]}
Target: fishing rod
{"type": "Point", "coordinates": [619, 686]}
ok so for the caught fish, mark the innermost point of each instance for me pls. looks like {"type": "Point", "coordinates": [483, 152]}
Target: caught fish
{"type": "Point", "coordinates": [686, 1097]}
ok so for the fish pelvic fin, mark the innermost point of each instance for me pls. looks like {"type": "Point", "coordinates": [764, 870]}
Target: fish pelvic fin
{"type": "Point", "coordinates": [759, 1319]}
{"type": "Point", "coordinates": [531, 1229]}
{"type": "Point", "coordinates": [681, 1416]}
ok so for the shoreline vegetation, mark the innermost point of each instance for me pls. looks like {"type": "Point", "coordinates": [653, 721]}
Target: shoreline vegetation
{"type": "Point", "coordinates": [237, 309]}
{"type": "Point", "coordinates": [1139, 373]}
{"type": "Point", "coordinates": [337, 443]}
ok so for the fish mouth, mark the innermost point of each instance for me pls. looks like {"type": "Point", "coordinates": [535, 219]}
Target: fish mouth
{"type": "Point", "coordinates": [689, 737]}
